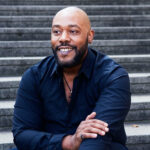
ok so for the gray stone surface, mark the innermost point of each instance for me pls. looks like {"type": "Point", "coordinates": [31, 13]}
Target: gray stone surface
{"type": "Point", "coordinates": [70, 2]}
{"type": "Point", "coordinates": [96, 21]}
{"type": "Point", "coordinates": [91, 10]}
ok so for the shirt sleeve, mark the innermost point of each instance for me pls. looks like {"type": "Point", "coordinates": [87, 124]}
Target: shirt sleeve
{"type": "Point", "coordinates": [112, 107]}
{"type": "Point", "coordinates": [28, 121]}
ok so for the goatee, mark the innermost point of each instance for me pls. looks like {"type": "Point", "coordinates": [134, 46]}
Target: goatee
{"type": "Point", "coordinates": [77, 59]}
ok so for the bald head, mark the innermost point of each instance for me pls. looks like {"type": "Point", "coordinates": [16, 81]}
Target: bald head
{"type": "Point", "coordinates": [70, 35]}
{"type": "Point", "coordinates": [76, 14]}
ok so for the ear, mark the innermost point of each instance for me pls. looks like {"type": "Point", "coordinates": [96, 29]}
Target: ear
{"type": "Point", "coordinates": [91, 36]}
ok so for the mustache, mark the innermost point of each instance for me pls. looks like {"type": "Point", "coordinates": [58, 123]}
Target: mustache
{"type": "Point", "coordinates": [68, 45]}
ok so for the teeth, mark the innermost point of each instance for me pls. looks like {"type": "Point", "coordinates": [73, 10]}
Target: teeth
{"type": "Point", "coordinates": [65, 50]}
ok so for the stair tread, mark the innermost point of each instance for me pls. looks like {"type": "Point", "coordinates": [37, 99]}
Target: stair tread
{"type": "Point", "coordinates": [66, 2]}
{"type": "Point", "coordinates": [86, 6]}
{"type": "Point", "coordinates": [9, 79]}
{"type": "Point", "coordinates": [7, 104]}
{"type": "Point", "coordinates": [90, 16]}
{"type": "Point", "coordinates": [142, 129]}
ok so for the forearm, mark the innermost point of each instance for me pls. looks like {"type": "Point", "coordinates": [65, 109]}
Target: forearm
{"type": "Point", "coordinates": [35, 140]}
{"type": "Point", "coordinates": [87, 129]}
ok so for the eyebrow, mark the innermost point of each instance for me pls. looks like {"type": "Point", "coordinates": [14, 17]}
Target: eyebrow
{"type": "Point", "coordinates": [71, 25]}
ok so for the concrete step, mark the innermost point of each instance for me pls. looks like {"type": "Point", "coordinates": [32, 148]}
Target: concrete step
{"type": "Point", "coordinates": [134, 63]}
{"type": "Point", "coordinates": [140, 84]}
{"type": "Point", "coordinates": [96, 21]}
{"type": "Point", "coordinates": [140, 111]}
{"type": "Point", "coordinates": [43, 48]}
{"type": "Point", "coordinates": [70, 2]}
{"type": "Point", "coordinates": [140, 108]}
{"type": "Point", "coordinates": [6, 113]}
{"type": "Point", "coordinates": [15, 66]}
{"type": "Point", "coordinates": [137, 137]}
{"type": "Point", "coordinates": [90, 9]}
{"type": "Point", "coordinates": [103, 33]}
{"type": "Point", "coordinates": [6, 140]}
{"type": "Point", "coordinates": [8, 88]}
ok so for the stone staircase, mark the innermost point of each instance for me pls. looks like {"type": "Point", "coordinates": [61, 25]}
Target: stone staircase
{"type": "Point", "coordinates": [122, 31]}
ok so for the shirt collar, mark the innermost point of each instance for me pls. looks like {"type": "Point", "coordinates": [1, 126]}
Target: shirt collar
{"type": "Point", "coordinates": [86, 68]}
{"type": "Point", "coordinates": [55, 70]}
{"type": "Point", "coordinates": [88, 64]}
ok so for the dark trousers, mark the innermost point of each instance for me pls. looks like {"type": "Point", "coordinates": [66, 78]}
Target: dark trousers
{"type": "Point", "coordinates": [114, 146]}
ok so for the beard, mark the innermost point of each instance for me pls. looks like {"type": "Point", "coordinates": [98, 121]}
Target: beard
{"type": "Point", "coordinates": [77, 59]}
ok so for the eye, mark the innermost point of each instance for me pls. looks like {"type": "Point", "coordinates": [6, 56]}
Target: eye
{"type": "Point", "coordinates": [74, 31]}
{"type": "Point", "coordinates": [56, 32]}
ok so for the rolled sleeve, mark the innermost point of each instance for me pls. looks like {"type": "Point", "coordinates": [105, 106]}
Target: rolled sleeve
{"type": "Point", "coordinates": [112, 107]}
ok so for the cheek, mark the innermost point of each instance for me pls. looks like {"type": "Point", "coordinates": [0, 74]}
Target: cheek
{"type": "Point", "coordinates": [80, 40]}
{"type": "Point", "coordinates": [53, 42]}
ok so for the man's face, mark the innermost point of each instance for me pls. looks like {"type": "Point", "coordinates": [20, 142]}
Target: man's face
{"type": "Point", "coordinates": [69, 40]}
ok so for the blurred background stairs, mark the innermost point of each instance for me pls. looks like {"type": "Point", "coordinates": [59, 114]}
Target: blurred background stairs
{"type": "Point", "coordinates": [122, 31]}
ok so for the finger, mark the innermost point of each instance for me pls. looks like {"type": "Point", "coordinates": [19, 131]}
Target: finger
{"type": "Point", "coordinates": [99, 126]}
{"type": "Point", "coordinates": [94, 130]}
{"type": "Point", "coordinates": [93, 124]}
{"type": "Point", "coordinates": [96, 121]}
{"type": "Point", "coordinates": [87, 135]}
{"type": "Point", "coordinates": [91, 116]}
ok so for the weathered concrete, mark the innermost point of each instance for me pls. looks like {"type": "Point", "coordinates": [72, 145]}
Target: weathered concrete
{"type": "Point", "coordinates": [90, 9]}
{"type": "Point", "coordinates": [96, 21]}
{"type": "Point", "coordinates": [70, 2]}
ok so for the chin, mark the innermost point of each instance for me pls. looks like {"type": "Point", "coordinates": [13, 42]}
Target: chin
{"type": "Point", "coordinates": [67, 64]}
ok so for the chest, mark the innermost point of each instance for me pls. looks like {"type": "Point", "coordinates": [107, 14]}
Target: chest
{"type": "Point", "coordinates": [68, 88]}
{"type": "Point", "coordinates": [63, 107]}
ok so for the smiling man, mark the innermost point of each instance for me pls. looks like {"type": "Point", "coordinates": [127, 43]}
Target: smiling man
{"type": "Point", "coordinates": [75, 100]}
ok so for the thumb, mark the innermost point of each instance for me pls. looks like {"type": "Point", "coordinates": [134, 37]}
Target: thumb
{"type": "Point", "coordinates": [91, 116]}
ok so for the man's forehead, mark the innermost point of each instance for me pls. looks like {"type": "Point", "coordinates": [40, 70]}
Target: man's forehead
{"type": "Point", "coordinates": [67, 21]}
{"type": "Point", "coordinates": [71, 16]}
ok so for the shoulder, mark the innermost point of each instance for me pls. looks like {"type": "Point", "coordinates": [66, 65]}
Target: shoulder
{"type": "Point", "coordinates": [106, 70]}
{"type": "Point", "coordinates": [39, 70]}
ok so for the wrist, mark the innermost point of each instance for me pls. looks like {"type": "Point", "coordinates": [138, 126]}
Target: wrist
{"type": "Point", "coordinates": [67, 142]}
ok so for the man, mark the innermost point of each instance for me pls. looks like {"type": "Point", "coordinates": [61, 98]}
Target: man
{"type": "Point", "coordinates": [75, 100]}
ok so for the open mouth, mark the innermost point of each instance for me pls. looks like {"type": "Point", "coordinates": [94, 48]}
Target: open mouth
{"type": "Point", "coordinates": [65, 51]}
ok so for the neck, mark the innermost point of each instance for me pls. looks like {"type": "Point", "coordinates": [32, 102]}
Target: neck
{"type": "Point", "coordinates": [73, 71]}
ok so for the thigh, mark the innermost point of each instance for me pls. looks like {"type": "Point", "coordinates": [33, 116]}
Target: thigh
{"type": "Point", "coordinates": [117, 146]}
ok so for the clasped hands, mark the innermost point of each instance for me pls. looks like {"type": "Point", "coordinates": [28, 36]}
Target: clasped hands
{"type": "Point", "coordinates": [89, 128]}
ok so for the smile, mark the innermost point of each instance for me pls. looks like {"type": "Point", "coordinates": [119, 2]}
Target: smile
{"type": "Point", "coordinates": [65, 51]}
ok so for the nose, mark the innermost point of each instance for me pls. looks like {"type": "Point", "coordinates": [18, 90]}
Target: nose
{"type": "Point", "coordinates": [64, 37]}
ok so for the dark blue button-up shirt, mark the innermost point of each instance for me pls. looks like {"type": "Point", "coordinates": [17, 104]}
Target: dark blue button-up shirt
{"type": "Point", "coordinates": [42, 115]}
